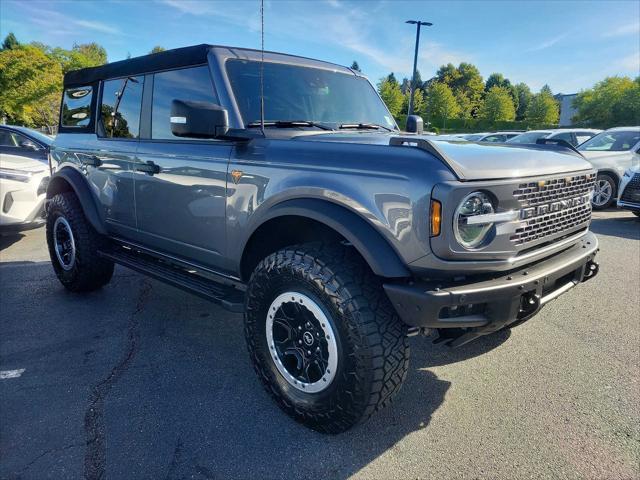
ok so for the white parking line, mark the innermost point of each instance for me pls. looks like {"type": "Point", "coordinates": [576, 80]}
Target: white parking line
{"type": "Point", "coordinates": [11, 373]}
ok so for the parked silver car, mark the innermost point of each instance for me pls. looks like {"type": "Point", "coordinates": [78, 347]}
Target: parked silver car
{"type": "Point", "coordinates": [574, 136]}
{"type": "Point", "coordinates": [611, 152]}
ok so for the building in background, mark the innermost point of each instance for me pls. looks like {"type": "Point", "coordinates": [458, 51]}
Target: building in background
{"type": "Point", "coordinates": [566, 108]}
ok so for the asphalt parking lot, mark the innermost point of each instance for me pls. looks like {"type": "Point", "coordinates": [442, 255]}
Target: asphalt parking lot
{"type": "Point", "coordinates": [140, 380]}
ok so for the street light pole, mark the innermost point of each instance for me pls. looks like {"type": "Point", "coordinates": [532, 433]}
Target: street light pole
{"type": "Point", "coordinates": [418, 24]}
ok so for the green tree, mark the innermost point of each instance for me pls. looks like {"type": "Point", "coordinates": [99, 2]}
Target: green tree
{"type": "Point", "coordinates": [157, 49]}
{"type": "Point", "coordinates": [441, 103]}
{"type": "Point", "coordinates": [80, 56]}
{"type": "Point", "coordinates": [496, 80]}
{"type": "Point", "coordinates": [355, 66]}
{"type": "Point", "coordinates": [30, 86]}
{"type": "Point", "coordinates": [392, 78]}
{"type": "Point", "coordinates": [615, 101]}
{"type": "Point", "coordinates": [391, 94]}
{"type": "Point", "coordinates": [498, 105]}
{"type": "Point", "coordinates": [466, 84]}
{"type": "Point", "coordinates": [418, 102]}
{"type": "Point", "coordinates": [524, 97]}
{"type": "Point", "coordinates": [543, 109]}
{"type": "Point", "coordinates": [10, 41]}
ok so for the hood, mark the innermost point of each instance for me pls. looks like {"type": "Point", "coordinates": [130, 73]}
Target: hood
{"type": "Point", "coordinates": [598, 154]}
{"type": "Point", "coordinates": [15, 162]}
{"type": "Point", "coordinates": [477, 161]}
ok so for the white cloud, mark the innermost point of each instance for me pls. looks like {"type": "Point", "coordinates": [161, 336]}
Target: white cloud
{"type": "Point", "coordinates": [97, 26]}
{"type": "Point", "coordinates": [622, 30]}
{"type": "Point", "coordinates": [548, 43]}
{"type": "Point", "coordinates": [65, 25]}
{"type": "Point", "coordinates": [630, 63]}
{"type": "Point", "coordinates": [248, 18]}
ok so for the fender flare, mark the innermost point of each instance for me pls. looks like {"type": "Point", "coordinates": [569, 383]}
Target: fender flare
{"type": "Point", "coordinates": [374, 248]}
{"type": "Point", "coordinates": [69, 179]}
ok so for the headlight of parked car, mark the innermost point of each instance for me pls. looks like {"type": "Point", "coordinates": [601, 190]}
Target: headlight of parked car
{"type": "Point", "coordinates": [469, 233]}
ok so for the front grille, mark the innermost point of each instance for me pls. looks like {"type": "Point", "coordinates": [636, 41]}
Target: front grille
{"type": "Point", "coordinates": [631, 192]}
{"type": "Point", "coordinates": [547, 214]}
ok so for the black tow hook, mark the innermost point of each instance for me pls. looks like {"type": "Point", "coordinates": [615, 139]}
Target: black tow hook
{"type": "Point", "coordinates": [590, 271]}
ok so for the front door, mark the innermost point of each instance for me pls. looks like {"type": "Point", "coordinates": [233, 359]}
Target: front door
{"type": "Point", "coordinates": [180, 183]}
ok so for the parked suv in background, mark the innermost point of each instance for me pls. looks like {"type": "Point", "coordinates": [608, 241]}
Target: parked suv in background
{"type": "Point", "coordinates": [24, 142]}
{"type": "Point", "coordinates": [572, 136]}
{"type": "Point", "coordinates": [23, 185]}
{"type": "Point", "coordinates": [611, 152]}
{"type": "Point", "coordinates": [335, 235]}
{"type": "Point", "coordinates": [630, 190]}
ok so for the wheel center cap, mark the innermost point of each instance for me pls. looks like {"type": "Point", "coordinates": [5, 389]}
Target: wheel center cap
{"type": "Point", "coordinates": [308, 338]}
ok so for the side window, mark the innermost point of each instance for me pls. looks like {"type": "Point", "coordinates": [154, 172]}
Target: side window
{"type": "Point", "coordinates": [566, 136]}
{"type": "Point", "coordinates": [582, 137]}
{"type": "Point", "coordinates": [76, 107]}
{"type": "Point", "coordinates": [120, 109]}
{"type": "Point", "coordinates": [192, 84]}
{"type": "Point", "coordinates": [13, 139]}
{"type": "Point", "coordinates": [494, 138]}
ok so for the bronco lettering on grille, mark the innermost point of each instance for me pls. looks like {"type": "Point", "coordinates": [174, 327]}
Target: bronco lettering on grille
{"type": "Point", "coordinates": [554, 206]}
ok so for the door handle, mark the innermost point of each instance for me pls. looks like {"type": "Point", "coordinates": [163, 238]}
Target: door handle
{"type": "Point", "coordinates": [91, 161]}
{"type": "Point", "coordinates": [147, 167]}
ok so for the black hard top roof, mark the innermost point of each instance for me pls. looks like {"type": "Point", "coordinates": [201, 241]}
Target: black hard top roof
{"type": "Point", "coordinates": [169, 59]}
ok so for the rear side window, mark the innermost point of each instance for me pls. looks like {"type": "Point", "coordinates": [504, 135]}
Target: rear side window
{"type": "Point", "coordinates": [76, 107]}
{"type": "Point", "coordinates": [120, 108]}
{"type": "Point", "coordinates": [192, 84]}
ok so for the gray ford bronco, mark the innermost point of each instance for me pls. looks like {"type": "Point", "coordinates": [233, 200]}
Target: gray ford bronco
{"type": "Point", "coordinates": [334, 233]}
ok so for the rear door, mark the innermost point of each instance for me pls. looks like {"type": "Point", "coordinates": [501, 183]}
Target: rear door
{"type": "Point", "coordinates": [118, 131]}
{"type": "Point", "coordinates": [180, 183]}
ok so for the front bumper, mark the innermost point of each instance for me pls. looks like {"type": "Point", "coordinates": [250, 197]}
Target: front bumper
{"type": "Point", "coordinates": [487, 305]}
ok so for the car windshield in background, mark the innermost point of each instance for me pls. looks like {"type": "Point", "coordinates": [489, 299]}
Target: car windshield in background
{"type": "Point", "coordinates": [529, 137]}
{"type": "Point", "coordinates": [295, 93]}
{"type": "Point", "coordinates": [611, 142]}
{"type": "Point", "coordinates": [41, 137]}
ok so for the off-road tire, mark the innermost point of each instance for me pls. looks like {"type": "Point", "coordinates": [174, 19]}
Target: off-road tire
{"type": "Point", "coordinates": [614, 191]}
{"type": "Point", "coordinates": [373, 352]}
{"type": "Point", "coordinates": [90, 271]}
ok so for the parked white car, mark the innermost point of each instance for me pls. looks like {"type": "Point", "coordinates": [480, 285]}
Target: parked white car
{"type": "Point", "coordinates": [23, 186]}
{"type": "Point", "coordinates": [629, 198]}
{"type": "Point", "coordinates": [574, 136]}
{"type": "Point", "coordinates": [611, 152]}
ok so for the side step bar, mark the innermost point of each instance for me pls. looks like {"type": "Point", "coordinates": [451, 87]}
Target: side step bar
{"type": "Point", "coordinates": [190, 280]}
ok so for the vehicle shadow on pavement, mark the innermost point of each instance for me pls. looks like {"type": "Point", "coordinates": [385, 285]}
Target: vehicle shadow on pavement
{"type": "Point", "coordinates": [140, 380]}
{"type": "Point", "coordinates": [624, 227]}
{"type": "Point", "coordinates": [8, 239]}
{"type": "Point", "coordinates": [434, 355]}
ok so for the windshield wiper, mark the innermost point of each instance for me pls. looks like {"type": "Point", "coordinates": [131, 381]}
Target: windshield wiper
{"type": "Point", "coordinates": [289, 124]}
{"type": "Point", "coordinates": [364, 126]}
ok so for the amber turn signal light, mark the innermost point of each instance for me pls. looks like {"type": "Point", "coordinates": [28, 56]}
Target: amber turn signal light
{"type": "Point", "coordinates": [436, 217]}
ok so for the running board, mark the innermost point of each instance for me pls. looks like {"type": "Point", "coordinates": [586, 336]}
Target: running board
{"type": "Point", "coordinates": [190, 280]}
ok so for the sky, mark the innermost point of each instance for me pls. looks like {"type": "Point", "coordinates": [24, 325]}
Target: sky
{"type": "Point", "coordinates": [569, 45]}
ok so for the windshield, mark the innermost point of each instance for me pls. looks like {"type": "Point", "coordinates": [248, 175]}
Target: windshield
{"type": "Point", "coordinates": [46, 139]}
{"type": "Point", "coordinates": [529, 137]}
{"type": "Point", "coordinates": [299, 93]}
{"type": "Point", "coordinates": [619, 141]}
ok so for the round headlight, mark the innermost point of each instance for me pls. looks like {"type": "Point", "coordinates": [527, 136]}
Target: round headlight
{"type": "Point", "coordinates": [468, 233]}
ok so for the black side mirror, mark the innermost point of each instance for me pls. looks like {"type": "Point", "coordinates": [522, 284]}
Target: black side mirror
{"type": "Point", "coordinates": [415, 124]}
{"type": "Point", "coordinates": [198, 119]}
